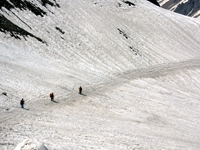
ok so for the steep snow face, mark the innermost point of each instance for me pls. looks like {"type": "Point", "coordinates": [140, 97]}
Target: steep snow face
{"type": "Point", "coordinates": [95, 36]}
{"type": "Point", "coordinates": [185, 7]}
{"type": "Point", "coordinates": [138, 65]}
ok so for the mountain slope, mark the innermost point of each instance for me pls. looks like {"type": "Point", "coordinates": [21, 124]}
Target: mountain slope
{"type": "Point", "coordinates": [134, 42]}
{"type": "Point", "coordinates": [185, 7]}
{"type": "Point", "coordinates": [137, 63]}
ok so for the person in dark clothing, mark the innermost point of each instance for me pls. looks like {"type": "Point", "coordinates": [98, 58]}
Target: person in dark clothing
{"type": "Point", "coordinates": [52, 96]}
{"type": "Point", "coordinates": [80, 90]}
{"type": "Point", "coordinates": [22, 103]}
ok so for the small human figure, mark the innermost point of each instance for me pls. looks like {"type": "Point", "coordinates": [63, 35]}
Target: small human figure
{"type": "Point", "coordinates": [80, 90]}
{"type": "Point", "coordinates": [22, 103]}
{"type": "Point", "coordinates": [52, 96]}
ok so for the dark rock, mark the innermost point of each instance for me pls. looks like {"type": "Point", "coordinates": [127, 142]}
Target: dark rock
{"type": "Point", "coordinates": [154, 2]}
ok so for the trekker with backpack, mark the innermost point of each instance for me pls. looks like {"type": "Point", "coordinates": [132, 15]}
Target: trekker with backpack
{"type": "Point", "coordinates": [22, 103]}
{"type": "Point", "coordinates": [52, 96]}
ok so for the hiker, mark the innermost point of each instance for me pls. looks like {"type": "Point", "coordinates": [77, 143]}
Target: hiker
{"type": "Point", "coordinates": [52, 96]}
{"type": "Point", "coordinates": [22, 103]}
{"type": "Point", "coordinates": [80, 90]}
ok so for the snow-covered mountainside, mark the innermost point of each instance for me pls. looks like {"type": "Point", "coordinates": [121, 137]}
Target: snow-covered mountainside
{"type": "Point", "coordinates": [185, 7]}
{"type": "Point", "coordinates": [138, 64]}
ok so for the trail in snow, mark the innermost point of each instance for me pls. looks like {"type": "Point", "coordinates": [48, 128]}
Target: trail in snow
{"type": "Point", "coordinates": [101, 113]}
{"type": "Point", "coordinates": [150, 72]}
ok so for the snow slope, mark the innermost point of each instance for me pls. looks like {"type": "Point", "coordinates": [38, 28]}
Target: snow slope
{"type": "Point", "coordinates": [138, 66]}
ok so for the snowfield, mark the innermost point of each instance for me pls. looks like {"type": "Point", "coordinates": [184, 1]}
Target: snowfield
{"type": "Point", "coordinates": [139, 67]}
